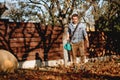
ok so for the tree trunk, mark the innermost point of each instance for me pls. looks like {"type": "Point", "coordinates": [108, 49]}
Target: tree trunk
{"type": "Point", "coordinates": [65, 52]}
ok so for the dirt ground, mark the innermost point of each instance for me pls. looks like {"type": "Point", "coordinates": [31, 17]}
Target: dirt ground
{"type": "Point", "coordinates": [104, 70]}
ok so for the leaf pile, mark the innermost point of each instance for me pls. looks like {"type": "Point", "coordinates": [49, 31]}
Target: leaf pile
{"type": "Point", "coordinates": [104, 70]}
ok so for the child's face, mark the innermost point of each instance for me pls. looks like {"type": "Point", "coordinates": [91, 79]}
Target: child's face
{"type": "Point", "coordinates": [75, 20]}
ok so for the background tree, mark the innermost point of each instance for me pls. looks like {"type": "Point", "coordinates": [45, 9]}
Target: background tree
{"type": "Point", "coordinates": [2, 9]}
{"type": "Point", "coordinates": [107, 17]}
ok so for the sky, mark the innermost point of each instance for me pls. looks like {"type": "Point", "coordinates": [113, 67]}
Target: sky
{"type": "Point", "coordinates": [7, 0]}
{"type": "Point", "coordinates": [1, 0]}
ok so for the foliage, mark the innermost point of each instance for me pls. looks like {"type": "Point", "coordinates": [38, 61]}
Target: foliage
{"type": "Point", "coordinates": [47, 11]}
{"type": "Point", "coordinates": [108, 19]}
{"type": "Point", "coordinates": [58, 12]}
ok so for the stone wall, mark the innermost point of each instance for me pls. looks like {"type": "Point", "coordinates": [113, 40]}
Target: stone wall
{"type": "Point", "coordinates": [30, 41]}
